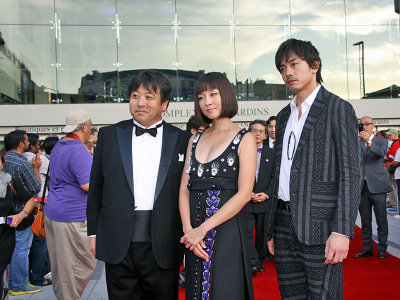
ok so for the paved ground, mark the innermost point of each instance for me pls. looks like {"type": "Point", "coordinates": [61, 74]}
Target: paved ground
{"type": "Point", "coordinates": [96, 289]}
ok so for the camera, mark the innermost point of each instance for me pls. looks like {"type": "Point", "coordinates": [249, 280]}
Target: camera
{"type": "Point", "coordinates": [360, 127]}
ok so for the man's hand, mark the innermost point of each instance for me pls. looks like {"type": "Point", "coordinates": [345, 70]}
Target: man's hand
{"type": "Point", "coordinates": [92, 245]}
{"type": "Point", "coordinates": [270, 244]}
{"type": "Point", "coordinates": [36, 161]}
{"type": "Point", "coordinates": [259, 197]}
{"type": "Point", "coordinates": [364, 135]}
{"type": "Point", "coordinates": [336, 249]}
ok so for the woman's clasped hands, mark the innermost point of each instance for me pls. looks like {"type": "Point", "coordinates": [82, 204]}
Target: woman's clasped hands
{"type": "Point", "coordinates": [193, 240]}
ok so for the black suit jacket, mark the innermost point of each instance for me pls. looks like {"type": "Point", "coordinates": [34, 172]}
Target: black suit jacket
{"type": "Point", "coordinates": [111, 204]}
{"type": "Point", "coordinates": [264, 182]}
{"type": "Point", "coordinates": [325, 174]}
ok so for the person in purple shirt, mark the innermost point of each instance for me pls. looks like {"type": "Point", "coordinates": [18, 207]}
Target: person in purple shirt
{"type": "Point", "coordinates": [72, 264]}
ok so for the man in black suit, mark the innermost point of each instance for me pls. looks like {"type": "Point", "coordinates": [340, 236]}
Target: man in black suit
{"type": "Point", "coordinates": [317, 180]}
{"type": "Point", "coordinates": [257, 208]}
{"type": "Point", "coordinates": [132, 209]}
{"type": "Point", "coordinates": [271, 127]}
{"type": "Point", "coordinates": [375, 186]}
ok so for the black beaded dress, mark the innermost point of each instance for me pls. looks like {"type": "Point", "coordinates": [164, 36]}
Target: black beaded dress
{"type": "Point", "coordinates": [227, 272]}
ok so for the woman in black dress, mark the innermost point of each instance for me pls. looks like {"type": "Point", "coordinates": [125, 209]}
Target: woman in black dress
{"type": "Point", "coordinates": [216, 184]}
{"type": "Point", "coordinates": [7, 232]}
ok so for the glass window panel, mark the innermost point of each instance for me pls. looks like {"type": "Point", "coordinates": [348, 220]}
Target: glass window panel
{"type": "Point", "coordinates": [139, 12]}
{"type": "Point", "coordinates": [371, 12]}
{"type": "Point", "coordinates": [381, 64]}
{"type": "Point", "coordinates": [204, 12]}
{"type": "Point", "coordinates": [261, 12]}
{"type": "Point", "coordinates": [27, 12]}
{"type": "Point", "coordinates": [146, 47]}
{"type": "Point", "coordinates": [317, 12]}
{"type": "Point", "coordinates": [88, 52]}
{"type": "Point", "coordinates": [331, 44]}
{"type": "Point", "coordinates": [255, 56]}
{"type": "Point", "coordinates": [27, 63]}
{"type": "Point", "coordinates": [208, 49]}
{"type": "Point", "coordinates": [86, 12]}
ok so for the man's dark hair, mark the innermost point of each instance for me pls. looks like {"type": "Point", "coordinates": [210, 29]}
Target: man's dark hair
{"type": "Point", "coordinates": [93, 130]}
{"type": "Point", "coordinates": [382, 132]}
{"type": "Point", "coordinates": [33, 139]}
{"type": "Point", "coordinates": [271, 118]}
{"type": "Point", "coordinates": [13, 138]}
{"type": "Point", "coordinates": [304, 50]}
{"type": "Point", "coordinates": [49, 143]}
{"type": "Point", "coordinates": [192, 123]}
{"type": "Point", "coordinates": [210, 81]}
{"type": "Point", "coordinates": [258, 121]}
{"type": "Point", "coordinates": [153, 81]}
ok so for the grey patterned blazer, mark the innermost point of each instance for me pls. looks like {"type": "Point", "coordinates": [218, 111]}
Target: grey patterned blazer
{"type": "Point", "coordinates": [325, 174]}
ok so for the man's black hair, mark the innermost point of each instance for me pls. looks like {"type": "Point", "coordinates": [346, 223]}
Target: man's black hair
{"type": "Point", "coordinates": [192, 123]}
{"type": "Point", "coordinates": [258, 121]}
{"type": "Point", "coordinates": [32, 139]}
{"type": "Point", "coordinates": [153, 81]}
{"type": "Point", "coordinates": [271, 118]}
{"type": "Point", "coordinates": [13, 138]}
{"type": "Point", "coordinates": [304, 50]}
{"type": "Point", "coordinates": [49, 144]}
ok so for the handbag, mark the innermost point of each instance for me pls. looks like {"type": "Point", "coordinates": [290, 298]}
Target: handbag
{"type": "Point", "coordinates": [38, 225]}
{"type": "Point", "coordinates": [17, 206]}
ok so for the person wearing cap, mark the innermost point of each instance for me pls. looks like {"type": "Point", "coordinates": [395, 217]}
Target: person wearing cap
{"type": "Point", "coordinates": [72, 264]}
{"type": "Point", "coordinates": [393, 136]}
{"type": "Point", "coordinates": [375, 185]}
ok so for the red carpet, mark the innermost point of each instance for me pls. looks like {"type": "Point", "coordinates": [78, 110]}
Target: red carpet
{"type": "Point", "coordinates": [364, 278]}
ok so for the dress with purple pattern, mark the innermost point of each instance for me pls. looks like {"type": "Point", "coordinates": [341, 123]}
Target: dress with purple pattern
{"type": "Point", "coordinates": [227, 272]}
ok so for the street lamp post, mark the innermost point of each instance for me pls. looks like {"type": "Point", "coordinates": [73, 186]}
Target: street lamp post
{"type": "Point", "coordinates": [361, 66]}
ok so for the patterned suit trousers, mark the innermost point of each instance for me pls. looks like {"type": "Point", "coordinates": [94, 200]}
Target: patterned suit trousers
{"type": "Point", "coordinates": [300, 268]}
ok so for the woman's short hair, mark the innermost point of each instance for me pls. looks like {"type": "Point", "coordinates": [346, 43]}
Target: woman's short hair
{"type": "Point", "coordinates": [210, 81]}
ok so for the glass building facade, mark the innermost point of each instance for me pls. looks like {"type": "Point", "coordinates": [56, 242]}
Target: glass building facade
{"type": "Point", "coordinates": [70, 51]}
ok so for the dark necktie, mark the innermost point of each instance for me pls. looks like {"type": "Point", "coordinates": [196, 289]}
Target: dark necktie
{"type": "Point", "coordinates": [152, 131]}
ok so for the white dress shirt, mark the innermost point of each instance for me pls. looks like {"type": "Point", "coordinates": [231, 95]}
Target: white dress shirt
{"type": "Point", "coordinates": [146, 154]}
{"type": "Point", "coordinates": [294, 127]}
{"type": "Point", "coordinates": [271, 143]}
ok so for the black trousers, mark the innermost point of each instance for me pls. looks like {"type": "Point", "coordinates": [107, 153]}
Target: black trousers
{"type": "Point", "coordinates": [300, 268]}
{"type": "Point", "coordinates": [138, 276]}
{"type": "Point", "coordinates": [378, 202]}
{"type": "Point", "coordinates": [259, 251]}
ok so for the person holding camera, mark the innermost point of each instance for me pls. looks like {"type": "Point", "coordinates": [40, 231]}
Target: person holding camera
{"type": "Point", "coordinates": [374, 188]}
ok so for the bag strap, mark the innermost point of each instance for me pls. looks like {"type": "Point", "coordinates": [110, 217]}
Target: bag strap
{"type": "Point", "coordinates": [11, 186]}
{"type": "Point", "coordinates": [45, 186]}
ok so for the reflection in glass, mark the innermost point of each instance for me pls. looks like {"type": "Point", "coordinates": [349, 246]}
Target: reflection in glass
{"type": "Point", "coordinates": [88, 12]}
{"type": "Point", "coordinates": [138, 12]}
{"type": "Point", "coordinates": [27, 59]}
{"type": "Point", "coordinates": [61, 51]}
{"type": "Point", "coordinates": [261, 12]}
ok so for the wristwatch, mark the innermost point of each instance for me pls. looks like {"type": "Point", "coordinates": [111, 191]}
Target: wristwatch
{"type": "Point", "coordinates": [25, 213]}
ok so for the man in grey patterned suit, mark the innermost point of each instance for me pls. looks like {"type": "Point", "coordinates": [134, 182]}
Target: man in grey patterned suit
{"type": "Point", "coordinates": [317, 180]}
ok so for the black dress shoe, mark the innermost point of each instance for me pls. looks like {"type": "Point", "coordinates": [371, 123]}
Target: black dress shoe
{"type": "Point", "coordinates": [254, 271]}
{"type": "Point", "coordinates": [260, 269]}
{"type": "Point", "coordinates": [382, 255]}
{"type": "Point", "coordinates": [364, 253]}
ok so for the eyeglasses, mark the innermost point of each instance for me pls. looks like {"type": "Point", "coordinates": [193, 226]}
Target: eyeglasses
{"type": "Point", "coordinates": [291, 146]}
{"type": "Point", "coordinates": [366, 124]}
{"type": "Point", "coordinates": [257, 131]}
